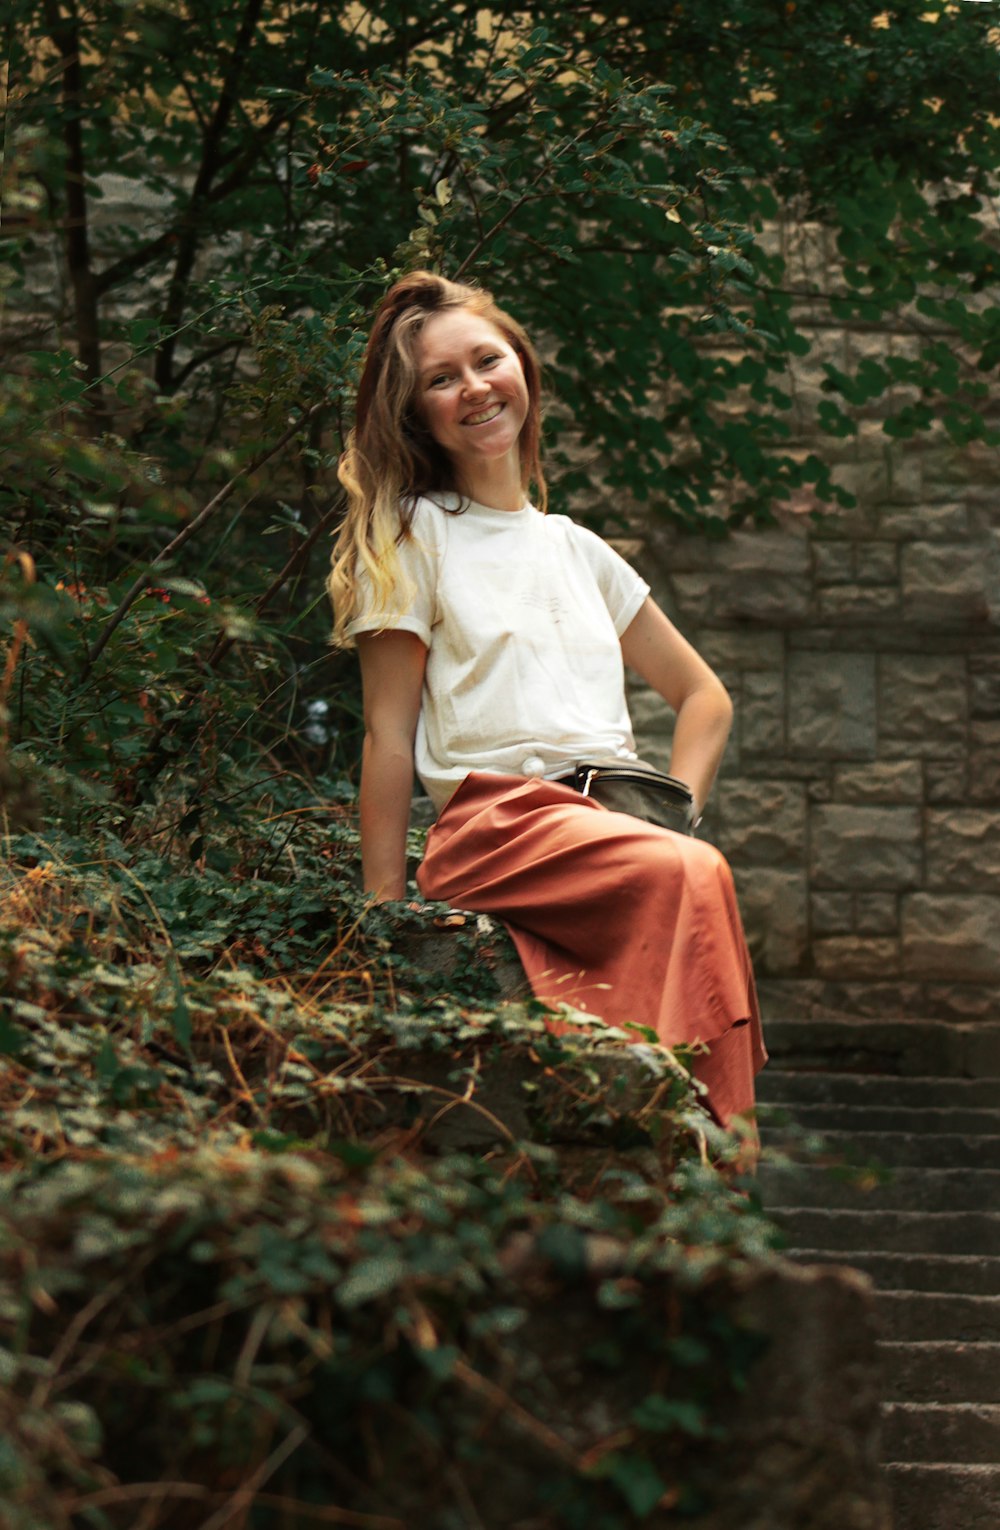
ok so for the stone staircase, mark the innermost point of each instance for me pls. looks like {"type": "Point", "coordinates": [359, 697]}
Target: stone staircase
{"type": "Point", "coordinates": [922, 1101]}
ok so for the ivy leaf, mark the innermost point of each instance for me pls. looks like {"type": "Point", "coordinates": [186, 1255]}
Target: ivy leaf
{"type": "Point", "coordinates": [180, 1015]}
{"type": "Point", "coordinates": [639, 1483]}
{"type": "Point", "coordinates": [661, 1414]}
{"type": "Point", "coordinates": [369, 1278]}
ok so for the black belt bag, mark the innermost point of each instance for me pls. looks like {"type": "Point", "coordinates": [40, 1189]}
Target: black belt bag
{"type": "Point", "coordinates": [637, 789]}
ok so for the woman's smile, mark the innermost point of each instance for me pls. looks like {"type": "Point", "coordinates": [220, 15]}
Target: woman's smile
{"type": "Point", "coordinates": [484, 416]}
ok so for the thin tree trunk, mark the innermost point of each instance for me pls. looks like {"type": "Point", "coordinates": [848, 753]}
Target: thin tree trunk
{"type": "Point", "coordinates": [65, 33]}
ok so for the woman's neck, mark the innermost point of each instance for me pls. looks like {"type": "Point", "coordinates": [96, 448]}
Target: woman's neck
{"type": "Point", "coordinates": [496, 484]}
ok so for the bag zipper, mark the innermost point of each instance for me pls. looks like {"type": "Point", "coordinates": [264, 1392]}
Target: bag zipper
{"type": "Point", "coordinates": [639, 777]}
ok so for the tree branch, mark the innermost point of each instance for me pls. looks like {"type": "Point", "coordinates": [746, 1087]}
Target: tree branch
{"type": "Point", "coordinates": [190, 225]}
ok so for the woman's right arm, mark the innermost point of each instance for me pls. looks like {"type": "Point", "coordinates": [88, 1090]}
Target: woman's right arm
{"type": "Point", "coordinates": [392, 677]}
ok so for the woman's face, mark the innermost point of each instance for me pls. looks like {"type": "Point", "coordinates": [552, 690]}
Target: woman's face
{"type": "Point", "coordinates": [471, 392]}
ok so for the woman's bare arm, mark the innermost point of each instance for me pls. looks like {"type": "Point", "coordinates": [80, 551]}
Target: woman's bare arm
{"type": "Point", "coordinates": [654, 648]}
{"type": "Point", "coordinates": [392, 677]}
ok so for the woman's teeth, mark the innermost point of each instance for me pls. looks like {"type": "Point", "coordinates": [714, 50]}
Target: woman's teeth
{"type": "Point", "coordinates": [484, 415]}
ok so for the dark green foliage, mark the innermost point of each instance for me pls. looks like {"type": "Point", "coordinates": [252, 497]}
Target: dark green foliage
{"type": "Point", "coordinates": [241, 1236]}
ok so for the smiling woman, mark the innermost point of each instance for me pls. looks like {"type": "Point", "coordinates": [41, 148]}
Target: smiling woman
{"type": "Point", "coordinates": [493, 639]}
{"type": "Point", "coordinates": [474, 401]}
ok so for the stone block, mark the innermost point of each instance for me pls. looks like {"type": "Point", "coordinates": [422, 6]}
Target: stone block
{"type": "Point", "coordinates": [852, 956]}
{"type": "Point", "coordinates": [806, 1424]}
{"type": "Point", "coordinates": [984, 761]}
{"type": "Point", "coordinates": [942, 582]}
{"type": "Point", "coordinates": [946, 523]}
{"type": "Point", "coordinates": [983, 1044]}
{"type": "Point", "coordinates": [875, 634]}
{"type": "Point", "coordinates": [831, 913]}
{"type": "Point", "coordinates": [881, 781]}
{"type": "Point", "coordinates": [833, 562]}
{"type": "Point", "coordinates": [865, 847]}
{"type": "Point", "coordinates": [963, 849]}
{"type": "Point", "coordinates": [823, 999]}
{"type": "Point", "coordinates": [984, 693]}
{"type": "Point", "coordinates": [774, 907]}
{"type": "Point", "coordinates": [877, 562]}
{"type": "Point", "coordinates": [864, 601]}
{"type": "Point", "coordinates": [831, 705]}
{"type": "Point", "coordinates": [763, 598]}
{"type": "Point", "coordinates": [881, 475]}
{"type": "Point", "coordinates": [762, 713]}
{"type": "Point", "coordinates": [785, 767]}
{"type": "Point", "coordinates": [972, 465]}
{"type": "Point", "coordinates": [923, 700]}
{"type": "Point", "coordinates": [876, 913]}
{"type": "Point", "coordinates": [676, 551]}
{"type": "Point", "coordinates": [632, 549]}
{"type": "Point", "coordinates": [951, 936]}
{"type": "Point", "coordinates": [761, 823]}
{"type": "Point", "coordinates": [845, 524]}
{"type": "Point", "coordinates": [946, 780]}
{"type": "Point", "coordinates": [694, 595]}
{"type": "Point", "coordinates": [743, 649]}
{"type": "Point", "coordinates": [765, 575]}
{"type": "Point", "coordinates": [966, 1001]}
{"type": "Point", "coordinates": [652, 719]}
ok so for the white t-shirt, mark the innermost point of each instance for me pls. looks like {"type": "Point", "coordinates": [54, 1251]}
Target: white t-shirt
{"type": "Point", "coordinates": [521, 614]}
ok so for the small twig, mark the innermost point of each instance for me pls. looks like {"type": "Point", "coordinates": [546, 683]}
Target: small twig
{"type": "Point", "coordinates": [244, 1495]}
{"type": "Point", "coordinates": [453, 1099]}
{"type": "Point", "coordinates": [328, 1514]}
{"type": "Point", "coordinates": [240, 1076]}
{"type": "Point", "coordinates": [259, 1324]}
{"type": "Point", "coordinates": [547, 1438]}
{"type": "Point", "coordinates": [126, 1491]}
{"type": "Point", "coordinates": [193, 526]}
{"type": "Point", "coordinates": [64, 1348]}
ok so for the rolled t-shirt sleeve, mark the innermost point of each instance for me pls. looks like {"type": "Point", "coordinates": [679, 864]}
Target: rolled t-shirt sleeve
{"type": "Point", "coordinates": [622, 589]}
{"type": "Point", "coordinates": [412, 603]}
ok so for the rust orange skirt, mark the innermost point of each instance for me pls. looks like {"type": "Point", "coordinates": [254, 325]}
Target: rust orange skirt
{"type": "Point", "coordinates": [615, 916]}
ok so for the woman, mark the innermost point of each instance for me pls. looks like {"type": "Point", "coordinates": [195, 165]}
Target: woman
{"type": "Point", "coordinates": [492, 638]}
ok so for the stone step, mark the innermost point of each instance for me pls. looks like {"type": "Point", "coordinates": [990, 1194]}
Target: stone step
{"type": "Point", "coordinates": [921, 1315]}
{"type": "Point", "coordinates": [781, 1086]}
{"type": "Point", "coordinates": [929, 1190]}
{"type": "Point", "coordinates": [937, 1371]}
{"type": "Point", "coordinates": [891, 1232]}
{"type": "Point", "coordinates": [878, 1118]}
{"type": "Point", "coordinates": [960, 1274]}
{"type": "Point", "coordinates": [942, 1496]}
{"type": "Point", "coordinates": [898, 1047]}
{"type": "Point", "coordinates": [912, 1149]}
{"type": "Point", "coordinates": [967, 1432]}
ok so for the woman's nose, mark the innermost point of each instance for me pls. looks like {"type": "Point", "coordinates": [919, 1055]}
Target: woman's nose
{"type": "Point", "coordinates": [474, 384]}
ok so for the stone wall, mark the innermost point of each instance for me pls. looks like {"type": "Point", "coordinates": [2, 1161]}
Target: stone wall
{"type": "Point", "coordinates": [859, 801]}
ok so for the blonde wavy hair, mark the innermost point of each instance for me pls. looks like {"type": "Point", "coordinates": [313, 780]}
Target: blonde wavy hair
{"type": "Point", "coordinates": [391, 457]}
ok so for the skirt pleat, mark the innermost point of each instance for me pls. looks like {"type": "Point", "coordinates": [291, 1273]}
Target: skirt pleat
{"type": "Point", "coordinates": [614, 916]}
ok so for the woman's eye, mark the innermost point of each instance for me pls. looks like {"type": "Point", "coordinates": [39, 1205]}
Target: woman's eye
{"type": "Point", "coordinates": [437, 382]}
{"type": "Point", "coordinates": [487, 361]}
